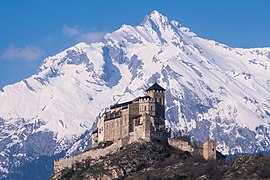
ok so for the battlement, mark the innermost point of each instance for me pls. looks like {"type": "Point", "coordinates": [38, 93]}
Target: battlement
{"type": "Point", "coordinates": [180, 144]}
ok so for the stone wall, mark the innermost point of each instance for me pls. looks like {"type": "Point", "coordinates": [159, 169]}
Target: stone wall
{"type": "Point", "coordinates": [63, 163]}
{"type": "Point", "coordinates": [138, 129]}
{"type": "Point", "coordinates": [147, 106]}
{"type": "Point", "coordinates": [101, 129]}
{"type": "Point", "coordinates": [180, 144]}
{"type": "Point", "coordinates": [113, 129]}
{"type": "Point", "coordinates": [125, 122]}
{"type": "Point", "coordinates": [133, 110]}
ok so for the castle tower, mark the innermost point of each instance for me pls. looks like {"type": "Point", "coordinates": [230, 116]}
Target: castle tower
{"type": "Point", "coordinates": [147, 106]}
{"type": "Point", "coordinates": [209, 150]}
{"type": "Point", "coordinates": [157, 93]}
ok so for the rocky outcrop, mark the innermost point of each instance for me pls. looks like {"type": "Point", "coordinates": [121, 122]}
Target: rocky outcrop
{"type": "Point", "coordinates": [158, 160]}
{"type": "Point", "coordinates": [131, 159]}
{"type": "Point", "coordinates": [248, 167]}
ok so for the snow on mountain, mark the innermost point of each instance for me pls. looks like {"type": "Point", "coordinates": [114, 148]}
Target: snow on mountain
{"type": "Point", "coordinates": [213, 91]}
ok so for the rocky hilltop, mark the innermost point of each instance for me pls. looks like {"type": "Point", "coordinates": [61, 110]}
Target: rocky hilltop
{"type": "Point", "coordinates": [158, 160]}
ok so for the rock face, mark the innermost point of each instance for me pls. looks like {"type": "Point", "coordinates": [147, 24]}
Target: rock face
{"type": "Point", "coordinates": [212, 91]}
{"type": "Point", "coordinates": [156, 160]}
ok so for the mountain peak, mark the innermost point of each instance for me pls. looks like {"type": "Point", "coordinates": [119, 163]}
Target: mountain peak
{"type": "Point", "coordinates": [155, 17]}
{"type": "Point", "coordinates": [156, 14]}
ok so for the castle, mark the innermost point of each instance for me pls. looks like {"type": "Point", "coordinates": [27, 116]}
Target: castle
{"type": "Point", "coordinates": [141, 118]}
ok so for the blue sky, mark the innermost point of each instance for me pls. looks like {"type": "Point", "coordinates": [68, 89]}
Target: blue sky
{"type": "Point", "coordinates": [31, 30]}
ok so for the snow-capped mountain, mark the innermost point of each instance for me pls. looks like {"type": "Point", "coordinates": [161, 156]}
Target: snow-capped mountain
{"type": "Point", "coordinates": [212, 91]}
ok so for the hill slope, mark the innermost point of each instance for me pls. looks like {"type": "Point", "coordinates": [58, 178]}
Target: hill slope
{"type": "Point", "coordinates": [155, 160]}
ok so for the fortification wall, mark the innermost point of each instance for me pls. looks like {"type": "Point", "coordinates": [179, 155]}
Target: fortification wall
{"type": "Point", "coordinates": [125, 123]}
{"type": "Point", "coordinates": [133, 110]}
{"type": "Point", "coordinates": [113, 129]}
{"type": "Point", "coordinates": [139, 133]}
{"type": "Point", "coordinates": [179, 144]}
{"type": "Point", "coordinates": [60, 164]}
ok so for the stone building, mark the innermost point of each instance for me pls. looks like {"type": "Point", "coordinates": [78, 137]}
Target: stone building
{"type": "Point", "coordinates": [144, 118]}
{"type": "Point", "coordinates": [141, 118]}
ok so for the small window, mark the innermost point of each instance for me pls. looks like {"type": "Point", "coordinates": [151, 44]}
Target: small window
{"type": "Point", "coordinates": [151, 108]}
{"type": "Point", "coordinates": [145, 108]}
{"type": "Point", "coordinates": [137, 122]}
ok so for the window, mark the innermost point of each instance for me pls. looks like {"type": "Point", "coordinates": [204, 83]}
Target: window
{"type": "Point", "coordinates": [144, 108]}
{"type": "Point", "coordinates": [137, 122]}
{"type": "Point", "coordinates": [151, 108]}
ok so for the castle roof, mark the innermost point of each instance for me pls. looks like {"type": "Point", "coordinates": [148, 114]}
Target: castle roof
{"type": "Point", "coordinates": [156, 87]}
{"type": "Point", "coordinates": [120, 105]}
{"type": "Point", "coordinates": [142, 97]}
